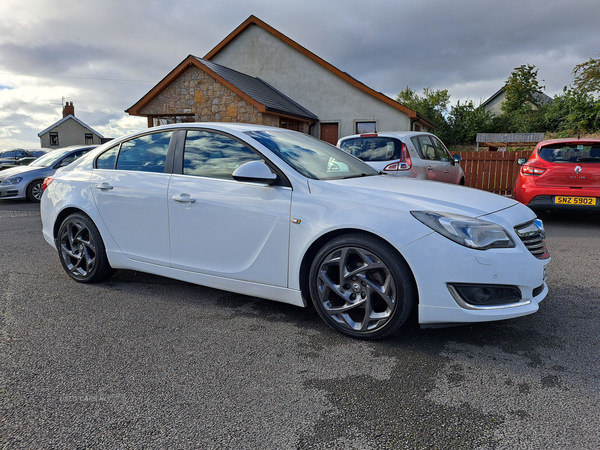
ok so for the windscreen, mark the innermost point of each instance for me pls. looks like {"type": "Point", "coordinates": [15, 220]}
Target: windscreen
{"type": "Point", "coordinates": [312, 157]}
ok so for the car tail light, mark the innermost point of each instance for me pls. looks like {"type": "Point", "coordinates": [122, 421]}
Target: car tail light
{"type": "Point", "coordinates": [47, 183]}
{"type": "Point", "coordinates": [405, 162]}
{"type": "Point", "coordinates": [369, 135]}
{"type": "Point", "coordinates": [532, 171]}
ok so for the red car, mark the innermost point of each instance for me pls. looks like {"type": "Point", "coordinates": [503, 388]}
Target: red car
{"type": "Point", "coordinates": [561, 174]}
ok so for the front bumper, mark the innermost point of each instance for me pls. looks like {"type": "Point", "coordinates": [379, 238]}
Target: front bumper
{"type": "Point", "coordinates": [439, 264]}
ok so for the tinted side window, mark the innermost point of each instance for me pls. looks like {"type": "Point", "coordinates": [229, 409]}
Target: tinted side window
{"type": "Point", "coordinates": [213, 155]}
{"type": "Point", "coordinates": [425, 147]}
{"type": "Point", "coordinates": [443, 153]}
{"type": "Point", "coordinates": [108, 159]}
{"type": "Point", "coordinates": [69, 159]}
{"type": "Point", "coordinates": [373, 148]}
{"type": "Point", "coordinates": [145, 154]}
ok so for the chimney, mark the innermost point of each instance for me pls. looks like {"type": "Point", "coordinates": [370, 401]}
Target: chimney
{"type": "Point", "coordinates": [68, 109]}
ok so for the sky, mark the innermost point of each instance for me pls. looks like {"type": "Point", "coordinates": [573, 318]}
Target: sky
{"type": "Point", "coordinates": [105, 55]}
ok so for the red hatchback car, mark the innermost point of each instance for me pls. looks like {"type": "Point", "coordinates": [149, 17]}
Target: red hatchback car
{"type": "Point", "coordinates": [561, 174]}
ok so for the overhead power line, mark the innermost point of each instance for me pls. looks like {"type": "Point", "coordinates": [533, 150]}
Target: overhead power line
{"type": "Point", "coordinates": [76, 78]}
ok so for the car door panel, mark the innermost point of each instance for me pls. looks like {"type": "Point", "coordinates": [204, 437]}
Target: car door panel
{"type": "Point", "coordinates": [229, 228]}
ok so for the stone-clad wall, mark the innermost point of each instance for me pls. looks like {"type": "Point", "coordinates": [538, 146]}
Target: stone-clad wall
{"type": "Point", "coordinates": [195, 92]}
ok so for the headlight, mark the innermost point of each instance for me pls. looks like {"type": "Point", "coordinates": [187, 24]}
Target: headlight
{"type": "Point", "coordinates": [11, 181]}
{"type": "Point", "coordinates": [473, 233]}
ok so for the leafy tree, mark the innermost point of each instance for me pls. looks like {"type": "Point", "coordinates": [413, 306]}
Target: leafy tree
{"type": "Point", "coordinates": [433, 104]}
{"type": "Point", "coordinates": [575, 111]}
{"type": "Point", "coordinates": [521, 88]}
{"type": "Point", "coordinates": [587, 75]}
{"type": "Point", "coordinates": [465, 121]}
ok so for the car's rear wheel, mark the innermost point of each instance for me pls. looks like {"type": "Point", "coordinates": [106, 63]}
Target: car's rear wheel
{"type": "Point", "coordinates": [81, 250]}
{"type": "Point", "coordinates": [361, 287]}
{"type": "Point", "coordinates": [34, 191]}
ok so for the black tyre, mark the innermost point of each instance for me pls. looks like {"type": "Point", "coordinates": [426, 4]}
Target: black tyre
{"type": "Point", "coordinates": [361, 287]}
{"type": "Point", "coordinates": [81, 250]}
{"type": "Point", "coordinates": [34, 191]}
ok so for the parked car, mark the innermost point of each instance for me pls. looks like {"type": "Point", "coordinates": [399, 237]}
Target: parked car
{"type": "Point", "coordinates": [26, 181]}
{"type": "Point", "coordinates": [406, 154]}
{"type": "Point", "coordinates": [277, 214]}
{"type": "Point", "coordinates": [19, 156]}
{"type": "Point", "coordinates": [561, 174]}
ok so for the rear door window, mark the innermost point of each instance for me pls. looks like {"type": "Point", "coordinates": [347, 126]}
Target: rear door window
{"type": "Point", "coordinates": [425, 147]}
{"type": "Point", "coordinates": [373, 149]}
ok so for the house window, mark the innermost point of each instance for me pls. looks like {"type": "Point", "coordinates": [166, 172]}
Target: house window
{"type": "Point", "coordinates": [89, 138]}
{"type": "Point", "coordinates": [53, 139]}
{"type": "Point", "coordinates": [366, 127]}
{"type": "Point", "coordinates": [168, 120]}
{"type": "Point", "coordinates": [289, 124]}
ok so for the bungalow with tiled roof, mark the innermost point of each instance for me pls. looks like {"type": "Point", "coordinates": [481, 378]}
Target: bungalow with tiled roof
{"type": "Point", "coordinates": [259, 75]}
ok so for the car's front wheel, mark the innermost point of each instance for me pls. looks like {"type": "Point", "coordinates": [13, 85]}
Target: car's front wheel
{"type": "Point", "coordinates": [361, 287]}
{"type": "Point", "coordinates": [81, 250]}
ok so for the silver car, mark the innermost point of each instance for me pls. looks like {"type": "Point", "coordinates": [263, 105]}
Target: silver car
{"type": "Point", "coordinates": [406, 154]}
{"type": "Point", "coordinates": [26, 181]}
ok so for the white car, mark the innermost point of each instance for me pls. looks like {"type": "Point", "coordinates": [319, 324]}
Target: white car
{"type": "Point", "coordinates": [411, 154]}
{"type": "Point", "coordinates": [277, 214]}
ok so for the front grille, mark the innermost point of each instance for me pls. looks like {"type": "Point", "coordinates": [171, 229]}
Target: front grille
{"type": "Point", "coordinates": [532, 234]}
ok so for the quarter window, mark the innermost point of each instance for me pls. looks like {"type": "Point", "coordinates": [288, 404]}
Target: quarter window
{"type": "Point", "coordinates": [214, 155]}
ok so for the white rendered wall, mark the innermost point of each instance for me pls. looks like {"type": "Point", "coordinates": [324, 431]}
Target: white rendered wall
{"type": "Point", "coordinates": [258, 53]}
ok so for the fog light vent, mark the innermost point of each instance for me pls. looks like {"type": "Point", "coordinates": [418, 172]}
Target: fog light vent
{"type": "Point", "coordinates": [488, 294]}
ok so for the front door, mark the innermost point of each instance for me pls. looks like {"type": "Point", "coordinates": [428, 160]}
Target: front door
{"type": "Point", "coordinates": [223, 227]}
{"type": "Point", "coordinates": [329, 133]}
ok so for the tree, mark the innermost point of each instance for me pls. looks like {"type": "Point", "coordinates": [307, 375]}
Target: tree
{"type": "Point", "coordinates": [573, 112]}
{"type": "Point", "coordinates": [433, 104]}
{"type": "Point", "coordinates": [465, 121]}
{"type": "Point", "coordinates": [587, 75]}
{"type": "Point", "coordinates": [521, 88]}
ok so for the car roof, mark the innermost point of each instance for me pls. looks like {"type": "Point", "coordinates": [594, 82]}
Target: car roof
{"type": "Point", "coordinates": [567, 141]}
{"type": "Point", "coordinates": [392, 134]}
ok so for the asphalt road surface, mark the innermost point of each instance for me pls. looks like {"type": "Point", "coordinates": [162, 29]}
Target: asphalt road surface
{"type": "Point", "coordinates": [146, 362]}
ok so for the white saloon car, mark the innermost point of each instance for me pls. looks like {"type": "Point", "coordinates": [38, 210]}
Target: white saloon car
{"type": "Point", "coordinates": [278, 214]}
{"type": "Point", "coordinates": [413, 154]}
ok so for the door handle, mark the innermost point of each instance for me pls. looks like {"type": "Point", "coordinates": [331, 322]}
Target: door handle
{"type": "Point", "coordinates": [184, 198]}
{"type": "Point", "coordinates": [104, 186]}
{"type": "Point", "coordinates": [429, 168]}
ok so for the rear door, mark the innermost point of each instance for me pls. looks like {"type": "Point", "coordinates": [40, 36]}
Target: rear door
{"type": "Point", "coordinates": [129, 185]}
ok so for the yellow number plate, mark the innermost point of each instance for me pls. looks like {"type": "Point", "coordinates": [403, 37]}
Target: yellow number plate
{"type": "Point", "coordinates": [575, 200]}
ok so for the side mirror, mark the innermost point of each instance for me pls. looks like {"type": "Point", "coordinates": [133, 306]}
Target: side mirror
{"type": "Point", "coordinates": [456, 159]}
{"type": "Point", "coordinates": [254, 172]}
{"type": "Point", "coordinates": [521, 161]}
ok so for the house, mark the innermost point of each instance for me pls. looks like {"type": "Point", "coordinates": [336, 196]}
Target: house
{"type": "Point", "coordinates": [69, 131]}
{"type": "Point", "coordinates": [495, 102]}
{"type": "Point", "coordinates": [259, 75]}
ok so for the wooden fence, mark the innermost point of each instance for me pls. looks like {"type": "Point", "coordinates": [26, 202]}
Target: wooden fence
{"type": "Point", "coordinates": [492, 171]}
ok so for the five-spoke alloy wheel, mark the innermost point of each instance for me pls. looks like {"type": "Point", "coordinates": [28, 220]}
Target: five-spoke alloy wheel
{"type": "Point", "coordinates": [361, 286]}
{"type": "Point", "coordinates": [81, 250]}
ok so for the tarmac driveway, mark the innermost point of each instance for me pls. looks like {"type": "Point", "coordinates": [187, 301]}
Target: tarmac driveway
{"type": "Point", "coordinates": [146, 362]}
